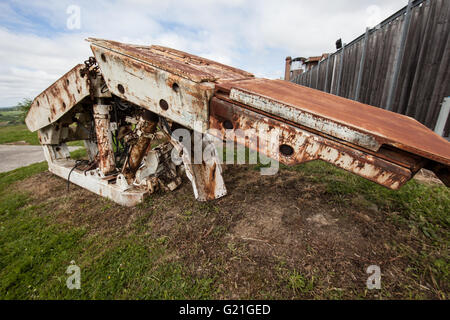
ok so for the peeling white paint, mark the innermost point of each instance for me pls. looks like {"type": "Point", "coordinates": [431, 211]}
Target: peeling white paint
{"type": "Point", "coordinates": [305, 119]}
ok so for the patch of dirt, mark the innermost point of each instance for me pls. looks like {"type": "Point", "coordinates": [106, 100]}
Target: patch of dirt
{"type": "Point", "coordinates": [77, 207]}
{"type": "Point", "coordinates": [253, 239]}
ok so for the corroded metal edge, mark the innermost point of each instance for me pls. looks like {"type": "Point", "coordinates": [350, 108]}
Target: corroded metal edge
{"type": "Point", "coordinates": [306, 145]}
{"type": "Point", "coordinates": [291, 101]}
{"type": "Point", "coordinates": [185, 101]}
{"type": "Point", "coordinates": [101, 187]}
{"type": "Point", "coordinates": [57, 99]}
{"type": "Point", "coordinates": [177, 62]}
{"type": "Point", "coordinates": [306, 119]}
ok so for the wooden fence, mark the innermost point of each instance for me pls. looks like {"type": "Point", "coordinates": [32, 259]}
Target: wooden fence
{"type": "Point", "coordinates": [401, 65]}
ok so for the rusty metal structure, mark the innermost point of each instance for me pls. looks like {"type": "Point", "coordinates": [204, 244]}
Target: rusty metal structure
{"type": "Point", "coordinates": [126, 101]}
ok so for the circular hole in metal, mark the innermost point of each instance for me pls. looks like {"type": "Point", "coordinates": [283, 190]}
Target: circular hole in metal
{"type": "Point", "coordinates": [175, 87]}
{"type": "Point", "coordinates": [37, 103]}
{"type": "Point", "coordinates": [64, 105]}
{"type": "Point", "coordinates": [103, 57]}
{"type": "Point", "coordinates": [121, 88]}
{"type": "Point", "coordinates": [227, 124]}
{"type": "Point", "coordinates": [67, 81]}
{"type": "Point", "coordinates": [286, 150]}
{"type": "Point", "coordinates": [163, 104]}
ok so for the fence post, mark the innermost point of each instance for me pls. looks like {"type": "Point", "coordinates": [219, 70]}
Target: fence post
{"type": "Point", "coordinates": [341, 67]}
{"type": "Point", "coordinates": [399, 58]}
{"type": "Point", "coordinates": [310, 78]}
{"type": "Point", "coordinates": [361, 65]}
{"type": "Point", "coordinates": [325, 87]}
{"type": "Point", "coordinates": [318, 73]}
{"type": "Point", "coordinates": [443, 116]}
{"type": "Point", "coordinates": [333, 74]}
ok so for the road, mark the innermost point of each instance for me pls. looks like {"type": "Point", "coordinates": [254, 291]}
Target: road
{"type": "Point", "coordinates": [16, 156]}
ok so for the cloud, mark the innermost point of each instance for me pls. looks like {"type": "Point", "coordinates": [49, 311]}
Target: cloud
{"type": "Point", "coordinates": [36, 47]}
{"type": "Point", "coordinates": [31, 63]}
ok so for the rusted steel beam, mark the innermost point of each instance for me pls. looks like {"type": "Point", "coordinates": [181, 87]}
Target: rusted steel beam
{"type": "Point", "coordinates": [58, 99]}
{"type": "Point", "coordinates": [206, 176]}
{"type": "Point", "coordinates": [147, 127]}
{"type": "Point", "coordinates": [295, 145]}
{"type": "Point", "coordinates": [351, 121]}
{"type": "Point", "coordinates": [104, 140]}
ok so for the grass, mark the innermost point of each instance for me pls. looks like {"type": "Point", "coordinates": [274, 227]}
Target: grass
{"type": "Point", "coordinates": [10, 117]}
{"type": "Point", "coordinates": [16, 133]}
{"type": "Point", "coordinates": [79, 154]}
{"type": "Point", "coordinates": [35, 252]}
{"type": "Point", "coordinates": [299, 283]}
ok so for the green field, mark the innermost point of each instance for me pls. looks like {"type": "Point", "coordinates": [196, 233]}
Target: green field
{"type": "Point", "coordinates": [10, 117]}
{"type": "Point", "coordinates": [20, 134]}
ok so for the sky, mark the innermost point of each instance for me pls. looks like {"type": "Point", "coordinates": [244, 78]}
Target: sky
{"type": "Point", "coordinates": [42, 40]}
